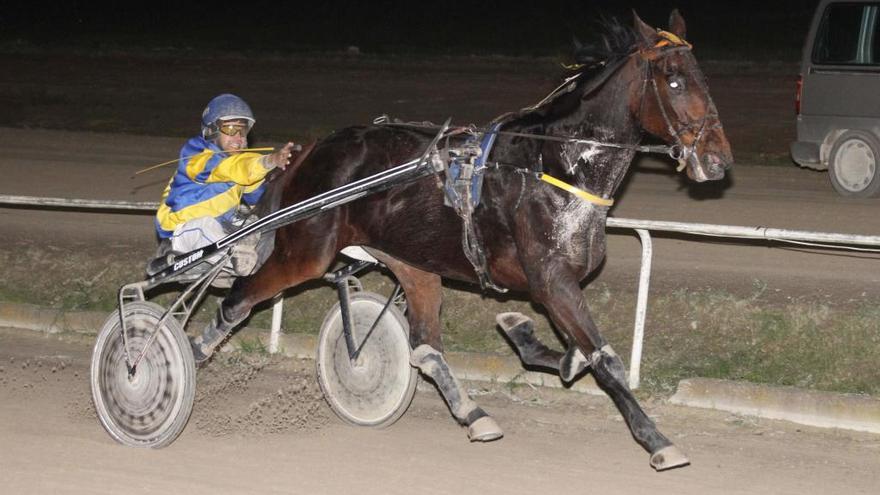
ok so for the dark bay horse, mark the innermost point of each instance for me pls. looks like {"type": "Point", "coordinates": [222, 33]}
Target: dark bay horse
{"type": "Point", "coordinates": [537, 239]}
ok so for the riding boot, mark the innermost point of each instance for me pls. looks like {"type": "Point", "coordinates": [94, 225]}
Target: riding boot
{"type": "Point", "coordinates": [203, 346]}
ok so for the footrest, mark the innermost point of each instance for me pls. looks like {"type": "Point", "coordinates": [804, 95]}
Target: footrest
{"type": "Point", "coordinates": [156, 265]}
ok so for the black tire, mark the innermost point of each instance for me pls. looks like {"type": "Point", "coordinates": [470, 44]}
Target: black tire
{"type": "Point", "coordinates": [378, 389]}
{"type": "Point", "coordinates": [152, 408]}
{"type": "Point", "coordinates": [854, 165]}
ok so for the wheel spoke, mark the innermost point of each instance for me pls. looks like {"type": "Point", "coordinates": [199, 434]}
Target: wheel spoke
{"type": "Point", "coordinates": [150, 407]}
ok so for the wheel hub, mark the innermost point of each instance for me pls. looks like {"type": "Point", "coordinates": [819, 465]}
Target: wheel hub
{"type": "Point", "coordinates": [855, 165]}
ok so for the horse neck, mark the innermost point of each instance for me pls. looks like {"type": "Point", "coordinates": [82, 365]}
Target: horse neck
{"type": "Point", "coordinates": [604, 116]}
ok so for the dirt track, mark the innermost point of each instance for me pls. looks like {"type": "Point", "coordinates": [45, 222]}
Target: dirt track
{"type": "Point", "coordinates": [260, 427]}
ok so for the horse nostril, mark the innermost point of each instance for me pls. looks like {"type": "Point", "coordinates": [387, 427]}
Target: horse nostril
{"type": "Point", "coordinates": [715, 166]}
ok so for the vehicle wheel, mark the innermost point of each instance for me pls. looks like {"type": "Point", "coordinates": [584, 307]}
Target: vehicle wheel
{"type": "Point", "coordinates": [151, 408]}
{"type": "Point", "coordinates": [854, 165]}
{"type": "Point", "coordinates": [378, 387]}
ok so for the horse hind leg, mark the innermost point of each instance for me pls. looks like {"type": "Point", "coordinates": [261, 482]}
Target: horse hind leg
{"type": "Point", "coordinates": [423, 298]}
{"type": "Point", "coordinates": [280, 271]}
{"type": "Point", "coordinates": [481, 426]}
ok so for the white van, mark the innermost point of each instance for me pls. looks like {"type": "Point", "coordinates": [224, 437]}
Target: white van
{"type": "Point", "coordinates": [838, 97]}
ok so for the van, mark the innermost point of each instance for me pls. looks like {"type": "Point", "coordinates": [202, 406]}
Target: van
{"type": "Point", "coordinates": [838, 97]}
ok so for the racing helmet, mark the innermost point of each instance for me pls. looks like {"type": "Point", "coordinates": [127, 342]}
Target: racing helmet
{"type": "Point", "coordinates": [224, 107]}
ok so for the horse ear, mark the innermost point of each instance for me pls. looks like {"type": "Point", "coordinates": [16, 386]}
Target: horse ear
{"type": "Point", "coordinates": [676, 24]}
{"type": "Point", "coordinates": [649, 34]}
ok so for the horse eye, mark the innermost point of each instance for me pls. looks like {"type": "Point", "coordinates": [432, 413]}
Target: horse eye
{"type": "Point", "coordinates": [676, 84]}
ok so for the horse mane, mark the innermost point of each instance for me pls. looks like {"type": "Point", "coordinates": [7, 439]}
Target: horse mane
{"type": "Point", "coordinates": [594, 61]}
{"type": "Point", "coordinates": [611, 41]}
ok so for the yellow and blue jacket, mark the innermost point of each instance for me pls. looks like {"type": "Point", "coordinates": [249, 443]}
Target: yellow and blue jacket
{"type": "Point", "coordinates": [209, 182]}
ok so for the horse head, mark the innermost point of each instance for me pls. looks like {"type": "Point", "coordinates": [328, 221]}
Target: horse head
{"type": "Point", "coordinates": [675, 104]}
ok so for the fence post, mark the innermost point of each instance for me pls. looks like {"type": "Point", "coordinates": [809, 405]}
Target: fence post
{"type": "Point", "coordinates": [275, 333]}
{"type": "Point", "coordinates": [635, 363]}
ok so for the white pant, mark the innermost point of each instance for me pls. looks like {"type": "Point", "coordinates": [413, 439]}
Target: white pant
{"type": "Point", "coordinates": [196, 233]}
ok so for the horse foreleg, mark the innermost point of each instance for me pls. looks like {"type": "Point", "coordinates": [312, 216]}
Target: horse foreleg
{"type": "Point", "coordinates": [423, 298]}
{"type": "Point", "coordinates": [567, 307]}
{"type": "Point", "coordinates": [532, 352]}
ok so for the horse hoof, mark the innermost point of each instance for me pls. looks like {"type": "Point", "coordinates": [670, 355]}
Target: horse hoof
{"type": "Point", "coordinates": [484, 429]}
{"type": "Point", "coordinates": [509, 321]}
{"type": "Point", "coordinates": [668, 458]}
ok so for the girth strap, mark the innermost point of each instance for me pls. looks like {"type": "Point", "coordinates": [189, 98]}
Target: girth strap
{"type": "Point", "coordinates": [463, 184]}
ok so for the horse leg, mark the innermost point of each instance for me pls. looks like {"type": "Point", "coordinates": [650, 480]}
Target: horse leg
{"type": "Point", "coordinates": [278, 273]}
{"type": "Point", "coordinates": [565, 302]}
{"type": "Point", "coordinates": [532, 352]}
{"type": "Point", "coordinates": [423, 297]}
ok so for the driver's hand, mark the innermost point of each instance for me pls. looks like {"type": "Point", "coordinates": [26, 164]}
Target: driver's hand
{"type": "Point", "coordinates": [280, 158]}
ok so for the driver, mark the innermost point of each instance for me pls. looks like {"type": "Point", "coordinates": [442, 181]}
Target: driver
{"type": "Point", "coordinates": [216, 183]}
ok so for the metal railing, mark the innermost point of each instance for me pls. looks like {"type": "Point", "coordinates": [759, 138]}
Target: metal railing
{"type": "Point", "coordinates": [642, 228]}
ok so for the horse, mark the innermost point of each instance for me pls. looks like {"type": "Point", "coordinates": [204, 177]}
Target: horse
{"type": "Point", "coordinates": [537, 239]}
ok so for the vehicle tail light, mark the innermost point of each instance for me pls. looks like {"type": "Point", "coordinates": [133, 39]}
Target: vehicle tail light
{"type": "Point", "coordinates": [797, 96]}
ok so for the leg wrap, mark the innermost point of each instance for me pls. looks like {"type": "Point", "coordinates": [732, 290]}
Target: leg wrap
{"type": "Point", "coordinates": [481, 427]}
{"type": "Point", "coordinates": [610, 374]}
{"type": "Point", "coordinates": [520, 330]}
{"type": "Point", "coordinates": [213, 334]}
{"type": "Point", "coordinates": [431, 363]}
{"type": "Point", "coordinates": [572, 364]}
{"type": "Point", "coordinates": [611, 361]}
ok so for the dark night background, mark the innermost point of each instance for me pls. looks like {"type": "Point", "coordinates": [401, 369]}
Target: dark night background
{"type": "Point", "coordinates": [720, 29]}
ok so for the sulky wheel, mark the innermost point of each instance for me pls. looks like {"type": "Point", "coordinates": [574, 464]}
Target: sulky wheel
{"type": "Point", "coordinates": [376, 389]}
{"type": "Point", "coordinates": [151, 407]}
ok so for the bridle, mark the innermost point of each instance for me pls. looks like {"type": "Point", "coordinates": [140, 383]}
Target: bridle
{"type": "Point", "coordinates": [670, 43]}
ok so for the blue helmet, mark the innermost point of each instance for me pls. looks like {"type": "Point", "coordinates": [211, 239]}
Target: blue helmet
{"type": "Point", "coordinates": [224, 107]}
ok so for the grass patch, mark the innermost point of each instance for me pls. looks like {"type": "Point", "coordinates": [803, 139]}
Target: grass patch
{"type": "Point", "coordinates": [253, 346]}
{"type": "Point", "coordinates": [805, 344]}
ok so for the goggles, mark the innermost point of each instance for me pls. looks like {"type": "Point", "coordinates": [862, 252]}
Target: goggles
{"type": "Point", "coordinates": [234, 129]}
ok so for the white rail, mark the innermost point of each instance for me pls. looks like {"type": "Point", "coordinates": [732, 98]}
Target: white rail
{"type": "Point", "coordinates": [78, 204]}
{"type": "Point", "coordinates": [641, 227]}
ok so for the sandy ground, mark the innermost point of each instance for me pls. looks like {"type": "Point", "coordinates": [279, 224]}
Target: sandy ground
{"type": "Point", "coordinates": [260, 426]}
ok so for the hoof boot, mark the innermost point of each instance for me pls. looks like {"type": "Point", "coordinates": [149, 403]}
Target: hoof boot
{"type": "Point", "coordinates": [200, 354]}
{"type": "Point", "coordinates": [668, 458]}
{"type": "Point", "coordinates": [484, 429]}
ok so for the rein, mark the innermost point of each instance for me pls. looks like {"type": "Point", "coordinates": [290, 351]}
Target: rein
{"type": "Point", "coordinates": [678, 152]}
{"type": "Point", "coordinates": [673, 151]}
